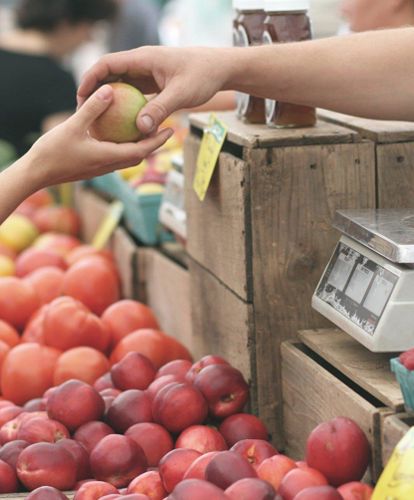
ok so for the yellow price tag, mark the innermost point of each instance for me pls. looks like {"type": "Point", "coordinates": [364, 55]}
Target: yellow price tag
{"type": "Point", "coordinates": [211, 145]}
{"type": "Point", "coordinates": [66, 194]}
{"type": "Point", "coordinates": [108, 225]}
{"type": "Point", "coordinates": [397, 480]}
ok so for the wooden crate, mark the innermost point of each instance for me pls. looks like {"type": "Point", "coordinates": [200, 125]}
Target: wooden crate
{"type": "Point", "coordinates": [264, 234]}
{"type": "Point", "coordinates": [394, 156]}
{"type": "Point", "coordinates": [329, 374]}
{"type": "Point", "coordinates": [394, 429]}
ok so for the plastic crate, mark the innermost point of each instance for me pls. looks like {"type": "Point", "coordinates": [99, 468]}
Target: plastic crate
{"type": "Point", "coordinates": [406, 380]}
{"type": "Point", "coordinates": [109, 184]}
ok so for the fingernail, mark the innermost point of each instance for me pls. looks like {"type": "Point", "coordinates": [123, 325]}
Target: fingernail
{"type": "Point", "coordinates": [147, 122]}
{"type": "Point", "coordinates": [104, 92]}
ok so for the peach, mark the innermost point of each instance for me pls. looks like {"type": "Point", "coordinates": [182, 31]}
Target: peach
{"type": "Point", "coordinates": [224, 388]}
{"type": "Point", "coordinates": [36, 430]}
{"type": "Point", "coordinates": [274, 469]}
{"type": "Point", "coordinates": [177, 406]}
{"type": "Point", "coordinates": [191, 489]}
{"type": "Point", "coordinates": [10, 452]}
{"type": "Point", "coordinates": [118, 122]}
{"type": "Point", "coordinates": [149, 484]}
{"type": "Point", "coordinates": [228, 467]}
{"type": "Point", "coordinates": [242, 426]}
{"type": "Point", "coordinates": [46, 493]}
{"type": "Point", "coordinates": [80, 455]}
{"type": "Point", "coordinates": [249, 488]}
{"type": "Point", "coordinates": [94, 490]}
{"type": "Point", "coordinates": [174, 465]}
{"type": "Point", "coordinates": [202, 363]}
{"type": "Point", "coordinates": [46, 464]}
{"type": "Point", "coordinates": [255, 450]}
{"type": "Point", "coordinates": [75, 403]}
{"type": "Point", "coordinates": [8, 479]}
{"type": "Point", "coordinates": [354, 491]}
{"type": "Point", "coordinates": [153, 439]}
{"type": "Point", "coordinates": [129, 408]}
{"type": "Point", "coordinates": [134, 371]}
{"type": "Point", "coordinates": [197, 469]}
{"type": "Point", "coordinates": [179, 368]}
{"type": "Point", "coordinates": [117, 460]}
{"type": "Point", "coordinates": [91, 433]}
{"type": "Point", "coordinates": [201, 438]}
{"type": "Point", "coordinates": [35, 258]}
{"type": "Point", "coordinates": [297, 480]}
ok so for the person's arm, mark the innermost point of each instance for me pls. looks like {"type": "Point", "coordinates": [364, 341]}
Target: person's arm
{"type": "Point", "coordinates": [370, 74]}
{"type": "Point", "coordinates": [68, 153]}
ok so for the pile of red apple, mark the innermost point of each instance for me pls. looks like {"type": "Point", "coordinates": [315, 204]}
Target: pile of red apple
{"type": "Point", "coordinates": [177, 432]}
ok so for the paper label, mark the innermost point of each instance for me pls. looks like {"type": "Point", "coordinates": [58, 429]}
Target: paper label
{"type": "Point", "coordinates": [211, 146]}
{"type": "Point", "coordinates": [108, 225]}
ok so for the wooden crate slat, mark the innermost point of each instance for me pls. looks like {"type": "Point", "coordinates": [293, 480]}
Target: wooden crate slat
{"type": "Point", "coordinates": [261, 136]}
{"type": "Point", "coordinates": [393, 430]}
{"type": "Point", "coordinates": [369, 370]}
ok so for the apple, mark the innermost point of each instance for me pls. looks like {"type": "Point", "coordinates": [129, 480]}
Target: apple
{"type": "Point", "coordinates": [254, 450]}
{"type": "Point", "coordinates": [134, 371]}
{"type": "Point", "coordinates": [242, 426]}
{"type": "Point", "coordinates": [178, 406]}
{"type": "Point", "coordinates": [149, 484]}
{"type": "Point", "coordinates": [339, 449]}
{"type": "Point", "coordinates": [297, 480]}
{"type": "Point", "coordinates": [91, 433]}
{"type": "Point", "coordinates": [80, 455]}
{"type": "Point", "coordinates": [201, 438]}
{"type": "Point", "coordinates": [10, 452]}
{"type": "Point", "coordinates": [60, 243]}
{"type": "Point", "coordinates": [84, 250]}
{"type": "Point", "coordinates": [227, 468]}
{"type": "Point", "coordinates": [46, 464]}
{"type": "Point", "coordinates": [179, 368]}
{"type": "Point", "coordinates": [319, 493]}
{"type": "Point", "coordinates": [224, 388]}
{"type": "Point", "coordinates": [174, 465]}
{"type": "Point", "coordinates": [35, 258]}
{"type": "Point", "coordinates": [274, 469]}
{"type": "Point", "coordinates": [117, 460]}
{"type": "Point", "coordinates": [104, 382]}
{"type": "Point", "coordinates": [154, 439]}
{"type": "Point", "coordinates": [57, 218]}
{"type": "Point", "coordinates": [129, 408]}
{"type": "Point", "coordinates": [118, 122]}
{"type": "Point", "coordinates": [46, 282]}
{"type": "Point", "coordinates": [160, 383]}
{"type": "Point", "coordinates": [46, 493]}
{"type": "Point", "coordinates": [8, 479]}
{"type": "Point", "coordinates": [197, 469]}
{"type": "Point", "coordinates": [192, 489]}
{"type": "Point", "coordinates": [94, 490]}
{"type": "Point", "coordinates": [39, 429]}
{"type": "Point", "coordinates": [74, 403]}
{"type": "Point", "coordinates": [354, 491]}
{"type": "Point", "coordinates": [249, 488]}
{"type": "Point", "coordinates": [202, 363]}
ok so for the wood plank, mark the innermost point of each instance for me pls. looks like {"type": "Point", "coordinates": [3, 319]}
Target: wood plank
{"type": "Point", "coordinates": [218, 228]}
{"type": "Point", "coordinates": [222, 322]}
{"type": "Point", "coordinates": [394, 429]}
{"type": "Point", "coordinates": [262, 136]}
{"type": "Point", "coordinates": [395, 167]}
{"type": "Point", "coordinates": [311, 395]}
{"type": "Point", "coordinates": [167, 292]}
{"type": "Point", "coordinates": [294, 196]}
{"type": "Point", "coordinates": [380, 131]}
{"type": "Point", "coordinates": [368, 370]}
{"type": "Point", "coordinates": [92, 209]}
{"type": "Point", "coordinates": [125, 252]}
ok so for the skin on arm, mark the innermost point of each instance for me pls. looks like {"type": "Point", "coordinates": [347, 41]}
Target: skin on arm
{"type": "Point", "coordinates": [68, 153]}
{"type": "Point", "coordinates": [368, 74]}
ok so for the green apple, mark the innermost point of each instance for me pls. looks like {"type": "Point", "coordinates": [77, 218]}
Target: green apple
{"type": "Point", "coordinates": [118, 122]}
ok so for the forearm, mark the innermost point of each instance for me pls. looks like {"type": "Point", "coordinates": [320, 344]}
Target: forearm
{"type": "Point", "coordinates": [370, 74]}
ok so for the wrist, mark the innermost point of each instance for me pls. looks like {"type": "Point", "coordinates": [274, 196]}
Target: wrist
{"type": "Point", "coordinates": [28, 172]}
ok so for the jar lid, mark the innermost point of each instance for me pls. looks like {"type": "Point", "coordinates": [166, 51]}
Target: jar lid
{"type": "Point", "coordinates": [248, 4]}
{"type": "Point", "coordinates": [286, 5]}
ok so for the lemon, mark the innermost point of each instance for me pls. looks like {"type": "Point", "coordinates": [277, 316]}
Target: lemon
{"type": "Point", "coordinates": [18, 232]}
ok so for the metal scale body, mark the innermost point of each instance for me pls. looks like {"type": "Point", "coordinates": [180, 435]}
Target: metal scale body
{"type": "Point", "coordinates": [367, 288]}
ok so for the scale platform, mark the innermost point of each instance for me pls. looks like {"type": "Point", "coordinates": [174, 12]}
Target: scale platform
{"type": "Point", "coordinates": [367, 288]}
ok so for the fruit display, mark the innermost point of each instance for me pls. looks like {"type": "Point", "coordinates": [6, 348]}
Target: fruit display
{"type": "Point", "coordinates": [403, 368]}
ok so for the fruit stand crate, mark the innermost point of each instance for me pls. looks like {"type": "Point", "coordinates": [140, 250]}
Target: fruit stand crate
{"type": "Point", "coordinates": [329, 374]}
{"type": "Point", "coordinates": [260, 240]}
{"type": "Point", "coordinates": [394, 429]}
{"type": "Point", "coordinates": [394, 156]}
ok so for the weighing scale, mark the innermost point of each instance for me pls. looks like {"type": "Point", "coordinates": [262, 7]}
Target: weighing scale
{"type": "Point", "coordinates": [367, 288]}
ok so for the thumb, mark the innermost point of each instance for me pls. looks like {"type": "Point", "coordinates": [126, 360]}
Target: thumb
{"type": "Point", "coordinates": [94, 106]}
{"type": "Point", "coordinates": [157, 110]}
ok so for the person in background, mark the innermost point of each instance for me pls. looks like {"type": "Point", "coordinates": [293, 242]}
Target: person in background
{"type": "Point", "coordinates": [365, 15]}
{"type": "Point", "coordinates": [36, 91]}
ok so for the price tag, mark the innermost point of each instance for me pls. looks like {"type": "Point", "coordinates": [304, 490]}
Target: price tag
{"type": "Point", "coordinates": [108, 225]}
{"type": "Point", "coordinates": [211, 145]}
